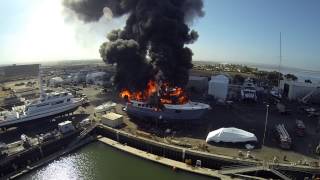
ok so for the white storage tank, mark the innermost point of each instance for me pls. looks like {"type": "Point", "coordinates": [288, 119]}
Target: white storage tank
{"type": "Point", "coordinates": [66, 127]}
{"type": "Point", "coordinates": [218, 87]}
{"type": "Point", "coordinates": [112, 119]}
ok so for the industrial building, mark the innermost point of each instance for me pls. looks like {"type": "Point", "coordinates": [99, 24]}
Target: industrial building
{"type": "Point", "coordinates": [112, 119]}
{"type": "Point", "coordinates": [295, 90]}
{"type": "Point", "coordinates": [198, 83]}
{"type": "Point", "coordinates": [218, 87]}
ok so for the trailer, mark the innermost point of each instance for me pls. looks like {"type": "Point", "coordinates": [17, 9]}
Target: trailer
{"type": "Point", "coordinates": [283, 137]}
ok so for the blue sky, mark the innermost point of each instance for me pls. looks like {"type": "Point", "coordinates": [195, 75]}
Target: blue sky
{"type": "Point", "coordinates": [232, 31]}
{"type": "Point", "coordinates": [248, 31]}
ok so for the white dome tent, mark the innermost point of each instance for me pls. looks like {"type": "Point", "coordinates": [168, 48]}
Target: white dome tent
{"type": "Point", "coordinates": [232, 134]}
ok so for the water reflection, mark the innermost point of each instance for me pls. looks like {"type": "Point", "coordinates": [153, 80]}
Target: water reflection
{"type": "Point", "coordinates": [72, 167]}
{"type": "Point", "coordinates": [100, 162]}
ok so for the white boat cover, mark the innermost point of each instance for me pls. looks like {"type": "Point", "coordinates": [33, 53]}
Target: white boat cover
{"type": "Point", "coordinates": [231, 134]}
{"type": "Point", "coordinates": [105, 107]}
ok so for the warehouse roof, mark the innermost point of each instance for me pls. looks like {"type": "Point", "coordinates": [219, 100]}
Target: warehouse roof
{"type": "Point", "coordinates": [197, 78]}
{"type": "Point", "coordinates": [220, 79]}
{"type": "Point", "coordinates": [112, 116]}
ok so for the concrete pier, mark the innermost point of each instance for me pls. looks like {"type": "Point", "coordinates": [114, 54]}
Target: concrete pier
{"type": "Point", "coordinates": [164, 161]}
{"type": "Point", "coordinates": [208, 160]}
{"type": "Point", "coordinates": [202, 163]}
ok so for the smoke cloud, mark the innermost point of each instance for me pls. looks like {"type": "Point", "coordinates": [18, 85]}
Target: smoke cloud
{"type": "Point", "coordinates": [157, 29]}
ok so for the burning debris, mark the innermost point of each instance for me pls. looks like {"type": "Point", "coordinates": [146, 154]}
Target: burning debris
{"type": "Point", "coordinates": [156, 94]}
{"type": "Point", "coordinates": [152, 41]}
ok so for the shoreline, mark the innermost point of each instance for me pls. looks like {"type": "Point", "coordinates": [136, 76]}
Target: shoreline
{"type": "Point", "coordinates": [161, 160]}
{"type": "Point", "coordinates": [50, 158]}
{"type": "Point", "coordinates": [173, 156]}
{"type": "Point", "coordinates": [149, 146]}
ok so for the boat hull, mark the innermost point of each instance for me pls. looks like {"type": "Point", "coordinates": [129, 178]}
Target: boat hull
{"type": "Point", "coordinates": [165, 114]}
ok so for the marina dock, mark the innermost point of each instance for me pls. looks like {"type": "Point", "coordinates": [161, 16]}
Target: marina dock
{"type": "Point", "coordinates": [162, 160]}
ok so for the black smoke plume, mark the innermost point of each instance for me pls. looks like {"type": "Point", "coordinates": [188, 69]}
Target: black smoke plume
{"type": "Point", "coordinates": [153, 39]}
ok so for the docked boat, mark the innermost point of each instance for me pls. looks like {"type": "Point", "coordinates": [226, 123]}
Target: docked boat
{"type": "Point", "coordinates": [248, 91]}
{"type": "Point", "coordinates": [48, 105]}
{"type": "Point", "coordinates": [187, 111]}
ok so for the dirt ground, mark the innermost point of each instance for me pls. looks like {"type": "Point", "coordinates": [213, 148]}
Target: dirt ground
{"type": "Point", "coordinates": [250, 117]}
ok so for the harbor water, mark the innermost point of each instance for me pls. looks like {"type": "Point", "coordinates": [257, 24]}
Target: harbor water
{"type": "Point", "coordinates": [98, 161]}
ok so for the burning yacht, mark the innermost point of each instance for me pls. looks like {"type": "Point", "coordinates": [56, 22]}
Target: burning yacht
{"type": "Point", "coordinates": [163, 103]}
{"type": "Point", "coordinates": [146, 46]}
{"type": "Point", "coordinates": [188, 111]}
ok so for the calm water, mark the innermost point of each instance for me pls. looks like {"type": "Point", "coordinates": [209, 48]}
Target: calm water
{"type": "Point", "coordinates": [101, 162]}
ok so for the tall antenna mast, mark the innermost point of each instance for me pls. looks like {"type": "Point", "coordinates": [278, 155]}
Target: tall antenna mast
{"type": "Point", "coordinates": [280, 62]}
{"type": "Point", "coordinates": [42, 94]}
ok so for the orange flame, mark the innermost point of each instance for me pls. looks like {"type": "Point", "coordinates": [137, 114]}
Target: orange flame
{"type": "Point", "coordinates": [168, 95]}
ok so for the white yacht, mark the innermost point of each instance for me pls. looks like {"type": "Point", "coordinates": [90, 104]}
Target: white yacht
{"type": "Point", "coordinates": [48, 105]}
{"type": "Point", "coordinates": [248, 90]}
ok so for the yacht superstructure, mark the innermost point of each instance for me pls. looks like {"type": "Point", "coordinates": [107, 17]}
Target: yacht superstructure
{"type": "Point", "coordinates": [248, 90]}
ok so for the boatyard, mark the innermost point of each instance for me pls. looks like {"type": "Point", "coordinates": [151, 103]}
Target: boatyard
{"type": "Point", "coordinates": [103, 116]}
{"type": "Point", "coordinates": [170, 89]}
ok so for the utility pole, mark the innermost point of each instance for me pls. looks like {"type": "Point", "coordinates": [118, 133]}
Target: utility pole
{"type": "Point", "coordinates": [265, 125]}
{"type": "Point", "coordinates": [280, 62]}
